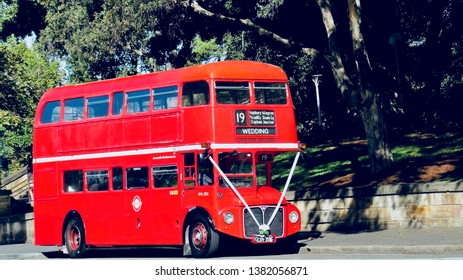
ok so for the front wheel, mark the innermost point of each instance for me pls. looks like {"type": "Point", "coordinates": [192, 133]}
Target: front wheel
{"type": "Point", "coordinates": [203, 239]}
{"type": "Point", "coordinates": [74, 238]}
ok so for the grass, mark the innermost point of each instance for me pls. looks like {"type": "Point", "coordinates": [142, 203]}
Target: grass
{"type": "Point", "coordinates": [418, 158]}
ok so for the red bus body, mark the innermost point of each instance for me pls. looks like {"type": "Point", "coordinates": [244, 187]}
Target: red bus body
{"type": "Point", "coordinates": [122, 158]}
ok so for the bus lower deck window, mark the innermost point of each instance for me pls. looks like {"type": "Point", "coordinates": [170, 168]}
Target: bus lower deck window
{"type": "Point", "coordinates": [97, 180]}
{"type": "Point", "coordinates": [73, 181]}
{"type": "Point", "coordinates": [137, 177]}
{"type": "Point", "coordinates": [165, 176]}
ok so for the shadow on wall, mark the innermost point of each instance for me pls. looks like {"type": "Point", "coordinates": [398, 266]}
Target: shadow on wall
{"type": "Point", "coordinates": [346, 210]}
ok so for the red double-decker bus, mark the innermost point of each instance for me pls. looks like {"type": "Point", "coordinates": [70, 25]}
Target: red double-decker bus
{"type": "Point", "coordinates": [180, 157]}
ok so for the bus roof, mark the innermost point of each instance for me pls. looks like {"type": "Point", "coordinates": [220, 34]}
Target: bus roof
{"type": "Point", "coordinates": [233, 69]}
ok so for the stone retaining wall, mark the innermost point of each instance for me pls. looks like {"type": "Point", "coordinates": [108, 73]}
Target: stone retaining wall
{"type": "Point", "coordinates": [348, 209]}
{"type": "Point", "coordinates": [17, 229]}
{"type": "Point", "coordinates": [437, 204]}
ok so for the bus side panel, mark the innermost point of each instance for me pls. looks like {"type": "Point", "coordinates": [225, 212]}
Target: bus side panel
{"type": "Point", "coordinates": [97, 135]}
{"type": "Point", "coordinates": [197, 124]}
{"type": "Point", "coordinates": [72, 137]}
{"type": "Point", "coordinates": [46, 224]}
{"type": "Point", "coordinates": [136, 131]}
{"type": "Point", "coordinates": [45, 141]}
{"type": "Point", "coordinates": [166, 128]}
{"type": "Point", "coordinates": [47, 227]}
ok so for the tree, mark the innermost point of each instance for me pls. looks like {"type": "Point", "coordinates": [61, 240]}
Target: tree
{"type": "Point", "coordinates": [352, 69]}
{"type": "Point", "coordinates": [107, 39]}
{"type": "Point", "coordinates": [26, 73]}
{"type": "Point", "coordinates": [21, 18]}
{"type": "Point", "coordinates": [434, 52]}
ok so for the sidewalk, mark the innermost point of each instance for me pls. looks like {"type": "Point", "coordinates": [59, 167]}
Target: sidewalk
{"type": "Point", "coordinates": [430, 241]}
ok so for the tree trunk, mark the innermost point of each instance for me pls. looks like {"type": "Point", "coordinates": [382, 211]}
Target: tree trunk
{"type": "Point", "coordinates": [378, 148]}
{"type": "Point", "coordinates": [361, 94]}
{"type": "Point", "coordinates": [358, 89]}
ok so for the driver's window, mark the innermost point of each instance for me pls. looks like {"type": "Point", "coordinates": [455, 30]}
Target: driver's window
{"type": "Point", "coordinates": [205, 171]}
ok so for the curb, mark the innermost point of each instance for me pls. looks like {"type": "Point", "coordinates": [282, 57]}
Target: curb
{"type": "Point", "coordinates": [382, 250]}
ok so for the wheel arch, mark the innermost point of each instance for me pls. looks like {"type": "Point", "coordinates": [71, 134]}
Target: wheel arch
{"type": "Point", "coordinates": [191, 213]}
{"type": "Point", "coordinates": [71, 214]}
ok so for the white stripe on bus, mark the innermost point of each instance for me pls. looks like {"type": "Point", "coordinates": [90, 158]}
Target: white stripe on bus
{"type": "Point", "coordinates": [165, 150]}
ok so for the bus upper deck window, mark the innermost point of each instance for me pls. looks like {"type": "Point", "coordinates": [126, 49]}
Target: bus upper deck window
{"type": "Point", "coordinates": [51, 112]}
{"type": "Point", "coordinates": [118, 102]}
{"type": "Point", "coordinates": [232, 92]}
{"type": "Point", "coordinates": [138, 101]}
{"type": "Point", "coordinates": [270, 93]}
{"type": "Point", "coordinates": [165, 98]}
{"type": "Point", "coordinates": [73, 109]}
{"type": "Point", "coordinates": [97, 106]}
{"type": "Point", "coordinates": [195, 93]}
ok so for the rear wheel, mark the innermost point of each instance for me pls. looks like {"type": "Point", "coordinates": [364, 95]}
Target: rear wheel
{"type": "Point", "coordinates": [74, 238]}
{"type": "Point", "coordinates": [203, 239]}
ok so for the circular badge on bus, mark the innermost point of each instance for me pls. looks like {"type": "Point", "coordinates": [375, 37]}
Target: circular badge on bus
{"type": "Point", "coordinates": [136, 203]}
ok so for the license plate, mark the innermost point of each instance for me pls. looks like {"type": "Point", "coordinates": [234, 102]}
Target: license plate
{"type": "Point", "coordinates": [262, 238]}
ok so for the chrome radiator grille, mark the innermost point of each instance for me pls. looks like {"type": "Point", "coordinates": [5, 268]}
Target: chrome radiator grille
{"type": "Point", "coordinates": [263, 214]}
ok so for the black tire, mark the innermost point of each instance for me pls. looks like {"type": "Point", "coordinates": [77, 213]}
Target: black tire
{"type": "Point", "coordinates": [203, 239]}
{"type": "Point", "coordinates": [74, 238]}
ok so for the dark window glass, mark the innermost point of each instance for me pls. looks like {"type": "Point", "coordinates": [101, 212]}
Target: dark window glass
{"type": "Point", "coordinates": [235, 163]}
{"type": "Point", "coordinates": [261, 173]}
{"type": "Point", "coordinates": [138, 101]}
{"type": "Point", "coordinates": [165, 176]}
{"type": "Point", "coordinates": [165, 98]}
{"type": "Point", "coordinates": [117, 178]}
{"type": "Point", "coordinates": [270, 93]}
{"type": "Point", "coordinates": [97, 106]}
{"type": "Point", "coordinates": [118, 102]}
{"type": "Point", "coordinates": [137, 177]}
{"type": "Point", "coordinates": [73, 109]}
{"type": "Point", "coordinates": [73, 181]}
{"type": "Point", "coordinates": [232, 92]}
{"type": "Point", "coordinates": [238, 167]}
{"type": "Point", "coordinates": [195, 93]}
{"type": "Point", "coordinates": [205, 171]}
{"type": "Point", "coordinates": [51, 112]}
{"type": "Point", "coordinates": [97, 180]}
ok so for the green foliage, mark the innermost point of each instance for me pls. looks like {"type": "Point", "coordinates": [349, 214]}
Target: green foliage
{"type": "Point", "coordinates": [7, 12]}
{"type": "Point", "coordinates": [102, 39]}
{"type": "Point", "coordinates": [20, 18]}
{"type": "Point", "coordinates": [25, 75]}
{"type": "Point", "coordinates": [205, 51]}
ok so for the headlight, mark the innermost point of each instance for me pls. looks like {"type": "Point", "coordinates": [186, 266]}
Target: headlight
{"type": "Point", "coordinates": [293, 217]}
{"type": "Point", "coordinates": [228, 217]}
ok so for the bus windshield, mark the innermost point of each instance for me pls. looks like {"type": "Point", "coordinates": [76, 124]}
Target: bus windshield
{"type": "Point", "coordinates": [237, 167]}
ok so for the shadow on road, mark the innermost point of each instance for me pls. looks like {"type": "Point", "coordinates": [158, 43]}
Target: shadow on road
{"type": "Point", "coordinates": [231, 247]}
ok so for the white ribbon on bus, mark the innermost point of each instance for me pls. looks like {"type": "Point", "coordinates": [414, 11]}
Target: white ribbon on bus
{"type": "Point", "coordinates": [263, 226]}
